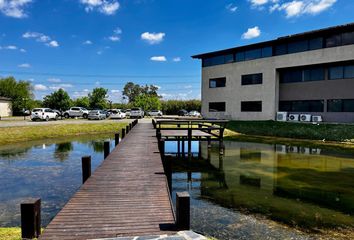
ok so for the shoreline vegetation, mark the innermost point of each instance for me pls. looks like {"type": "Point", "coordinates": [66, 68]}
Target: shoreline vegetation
{"type": "Point", "coordinates": [11, 135]}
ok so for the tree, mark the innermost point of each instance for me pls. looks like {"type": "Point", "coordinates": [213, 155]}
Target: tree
{"type": "Point", "coordinates": [82, 102]}
{"type": "Point", "coordinates": [59, 100]}
{"type": "Point", "coordinates": [132, 91]}
{"type": "Point", "coordinates": [97, 98]}
{"type": "Point", "coordinates": [20, 93]}
{"type": "Point", "coordinates": [147, 102]}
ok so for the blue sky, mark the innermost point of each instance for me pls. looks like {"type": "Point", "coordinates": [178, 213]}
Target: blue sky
{"type": "Point", "coordinates": [81, 44]}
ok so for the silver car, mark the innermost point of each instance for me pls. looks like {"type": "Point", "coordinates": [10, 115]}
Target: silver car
{"type": "Point", "coordinates": [96, 114]}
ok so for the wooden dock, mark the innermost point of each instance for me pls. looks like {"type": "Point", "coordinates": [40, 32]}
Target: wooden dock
{"type": "Point", "coordinates": [127, 195]}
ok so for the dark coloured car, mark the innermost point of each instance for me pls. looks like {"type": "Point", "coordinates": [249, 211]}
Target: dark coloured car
{"type": "Point", "coordinates": [182, 112]}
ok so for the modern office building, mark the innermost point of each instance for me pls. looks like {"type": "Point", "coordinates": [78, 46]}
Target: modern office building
{"type": "Point", "coordinates": [311, 72]}
{"type": "Point", "coordinates": [5, 107]}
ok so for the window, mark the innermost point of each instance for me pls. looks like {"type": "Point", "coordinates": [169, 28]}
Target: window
{"type": "Point", "coordinates": [229, 58]}
{"type": "Point", "coordinates": [267, 52]}
{"type": "Point", "coordinates": [302, 106]}
{"type": "Point", "coordinates": [316, 43]}
{"type": "Point", "coordinates": [217, 82]}
{"type": "Point", "coordinates": [217, 107]}
{"type": "Point", "coordinates": [299, 46]}
{"type": "Point", "coordinates": [333, 41]}
{"type": "Point", "coordinates": [251, 106]}
{"type": "Point", "coordinates": [315, 74]}
{"type": "Point", "coordinates": [240, 56]}
{"type": "Point", "coordinates": [253, 54]}
{"type": "Point", "coordinates": [217, 60]}
{"type": "Point", "coordinates": [336, 72]}
{"type": "Point", "coordinates": [340, 105]}
{"type": "Point", "coordinates": [291, 76]}
{"type": "Point", "coordinates": [251, 79]}
{"type": "Point", "coordinates": [281, 49]}
{"type": "Point", "coordinates": [349, 71]}
{"type": "Point", "coordinates": [348, 38]}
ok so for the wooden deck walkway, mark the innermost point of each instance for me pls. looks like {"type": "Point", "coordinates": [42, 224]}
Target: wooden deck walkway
{"type": "Point", "coordinates": [126, 196]}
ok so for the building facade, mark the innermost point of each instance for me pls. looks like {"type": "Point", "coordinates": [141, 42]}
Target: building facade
{"type": "Point", "coordinates": [5, 107]}
{"type": "Point", "coordinates": [310, 73]}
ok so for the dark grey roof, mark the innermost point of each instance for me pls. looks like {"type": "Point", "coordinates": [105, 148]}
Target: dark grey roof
{"type": "Point", "coordinates": [315, 33]}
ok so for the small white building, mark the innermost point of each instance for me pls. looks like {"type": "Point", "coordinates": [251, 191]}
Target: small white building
{"type": "Point", "coordinates": [5, 107]}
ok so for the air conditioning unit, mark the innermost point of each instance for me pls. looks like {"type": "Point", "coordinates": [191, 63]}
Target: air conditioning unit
{"type": "Point", "coordinates": [305, 117]}
{"type": "Point", "coordinates": [282, 116]}
{"type": "Point", "coordinates": [305, 150]}
{"type": "Point", "coordinates": [316, 151]}
{"type": "Point", "coordinates": [316, 118]}
{"type": "Point", "coordinates": [294, 117]}
{"type": "Point", "coordinates": [293, 149]}
{"type": "Point", "coordinates": [280, 148]}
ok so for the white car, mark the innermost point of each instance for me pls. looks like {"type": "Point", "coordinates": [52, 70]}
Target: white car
{"type": "Point", "coordinates": [194, 114]}
{"type": "Point", "coordinates": [136, 113]}
{"type": "Point", "coordinates": [117, 113]}
{"type": "Point", "coordinates": [127, 112]}
{"type": "Point", "coordinates": [76, 112]}
{"type": "Point", "coordinates": [43, 114]}
{"type": "Point", "coordinates": [96, 114]}
{"type": "Point", "coordinates": [154, 113]}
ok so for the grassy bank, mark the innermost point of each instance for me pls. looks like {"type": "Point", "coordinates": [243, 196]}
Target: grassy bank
{"type": "Point", "coordinates": [28, 133]}
{"type": "Point", "coordinates": [323, 132]}
{"type": "Point", "coordinates": [13, 233]}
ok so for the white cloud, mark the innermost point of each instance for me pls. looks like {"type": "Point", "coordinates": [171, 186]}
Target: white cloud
{"type": "Point", "coordinates": [14, 8]}
{"type": "Point", "coordinates": [188, 86]}
{"type": "Point", "coordinates": [40, 87]}
{"type": "Point", "coordinates": [115, 91]}
{"type": "Point", "coordinates": [23, 50]}
{"type": "Point", "coordinates": [54, 80]}
{"type": "Point", "coordinates": [87, 42]}
{"type": "Point", "coordinates": [99, 52]}
{"type": "Point", "coordinates": [153, 38]}
{"type": "Point", "coordinates": [107, 7]}
{"type": "Point", "coordinates": [158, 58]}
{"type": "Point", "coordinates": [297, 8]}
{"type": "Point", "coordinates": [176, 59]}
{"type": "Point", "coordinates": [252, 33]}
{"type": "Point", "coordinates": [117, 31]}
{"type": "Point", "coordinates": [40, 37]}
{"type": "Point", "coordinates": [257, 3]}
{"type": "Point", "coordinates": [24, 65]}
{"type": "Point", "coordinates": [60, 86]}
{"type": "Point", "coordinates": [231, 7]}
{"type": "Point", "coordinates": [10, 47]}
{"type": "Point", "coordinates": [116, 35]}
{"type": "Point", "coordinates": [114, 38]}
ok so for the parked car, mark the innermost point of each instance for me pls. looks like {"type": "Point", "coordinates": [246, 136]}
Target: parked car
{"type": "Point", "coordinates": [182, 112]}
{"type": "Point", "coordinates": [127, 112]}
{"type": "Point", "coordinates": [136, 113]}
{"type": "Point", "coordinates": [96, 114]}
{"type": "Point", "coordinates": [154, 113]}
{"type": "Point", "coordinates": [76, 112]}
{"type": "Point", "coordinates": [107, 112]}
{"type": "Point", "coordinates": [60, 113]}
{"type": "Point", "coordinates": [194, 114]}
{"type": "Point", "coordinates": [43, 114]}
{"type": "Point", "coordinates": [117, 113]}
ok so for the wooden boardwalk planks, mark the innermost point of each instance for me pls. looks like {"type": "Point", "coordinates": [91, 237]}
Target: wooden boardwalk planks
{"type": "Point", "coordinates": [126, 196]}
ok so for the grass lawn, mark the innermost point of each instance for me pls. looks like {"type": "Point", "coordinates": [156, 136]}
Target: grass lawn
{"type": "Point", "coordinates": [13, 233]}
{"type": "Point", "coordinates": [27, 133]}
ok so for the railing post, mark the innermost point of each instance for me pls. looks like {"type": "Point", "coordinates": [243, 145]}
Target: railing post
{"type": "Point", "coordinates": [31, 218]}
{"type": "Point", "coordinates": [162, 147]}
{"type": "Point", "coordinates": [106, 149]}
{"type": "Point", "coordinates": [127, 129]}
{"type": "Point", "coordinates": [123, 133]}
{"type": "Point", "coordinates": [130, 126]}
{"type": "Point", "coordinates": [189, 141]}
{"type": "Point", "coordinates": [183, 210]}
{"type": "Point", "coordinates": [116, 139]}
{"type": "Point", "coordinates": [86, 168]}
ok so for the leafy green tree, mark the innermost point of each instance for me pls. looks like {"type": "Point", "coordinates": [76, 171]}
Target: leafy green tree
{"type": "Point", "coordinates": [173, 106]}
{"type": "Point", "coordinates": [131, 91]}
{"type": "Point", "coordinates": [147, 102]}
{"type": "Point", "coordinates": [82, 102]}
{"type": "Point", "coordinates": [59, 100]}
{"type": "Point", "coordinates": [98, 97]}
{"type": "Point", "coordinates": [20, 93]}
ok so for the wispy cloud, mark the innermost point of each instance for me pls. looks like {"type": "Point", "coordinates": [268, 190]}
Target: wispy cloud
{"type": "Point", "coordinates": [87, 42]}
{"type": "Point", "coordinates": [61, 86]}
{"type": "Point", "coordinates": [40, 87]}
{"type": "Point", "coordinates": [40, 37]}
{"type": "Point", "coordinates": [107, 7]}
{"type": "Point", "coordinates": [54, 80]}
{"type": "Point", "coordinates": [153, 38]}
{"type": "Point", "coordinates": [158, 58]}
{"type": "Point", "coordinates": [24, 65]}
{"type": "Point", "coordinates": [231, 7]}
{"type": "Point", "coordinates": [251, 33]}
{"type": "Point", "coordinates": [177, 59]}
{"type": "Point", "coordinates": [14, 8]}
{"type": "Point", "coordinates": [116, 35]}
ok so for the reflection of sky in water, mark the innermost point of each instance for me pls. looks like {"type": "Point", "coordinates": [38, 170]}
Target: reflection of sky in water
{"type": "Point", "coordinates": [49, 171]}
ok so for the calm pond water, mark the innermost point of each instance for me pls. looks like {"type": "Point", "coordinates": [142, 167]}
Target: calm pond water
{"type": "Point", "coordinates": [251, 191]}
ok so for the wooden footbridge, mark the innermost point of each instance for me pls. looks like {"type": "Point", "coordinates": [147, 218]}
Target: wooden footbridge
{"type": "Point", "coordinates": [128, 195]}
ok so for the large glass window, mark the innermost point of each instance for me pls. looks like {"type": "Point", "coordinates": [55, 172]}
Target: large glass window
{"type": "Point", "coordinates": [316, 43]}
{"type": "Point", "coordinates": [349, 71]}
{"type": "Point", "coordinates": [314, 74]}
{"type": "Point", "coordinates": [348, 38]}
{"type": "Point", "coordinates": [217, 82]}
{"type": "Point", "coordinates": [240, 56]}
{"type": "Point", "coordinates": [334, 41]}
{"type": "Point", "coordinates": [253, 54]}
{"type": "Point", "coordinates": [251, 106]}
{"type": "Point", "coordinates": [291, 76]}
{"type": "Point", "coordinates": [281, 49]}
{"type": "Point", "coordinates": [250, 79]}
{"type": "Point", "coordinates": [299, 46]}
{"type": "Point", "coordinates": [340, 105]}
{"type": "Point", "coordinates": [229, 58]}
{"type": "Point", "coordinates": [217, 107]}
{"type": "Point", "coordinates": [267, 52]}
{"type": "Point", "coordinates": [302, 106]}
{"type": "Point", "coordinates": [336, 72]}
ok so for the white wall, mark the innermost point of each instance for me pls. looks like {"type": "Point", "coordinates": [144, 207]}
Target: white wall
{"type": "Point", "coordinates": [5, 108]}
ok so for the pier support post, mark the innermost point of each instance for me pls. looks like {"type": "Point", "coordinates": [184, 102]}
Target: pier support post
{"type": "Point", "coordinates": [183, 146]}
{"type": "Point", "coordinates": [127, 129]}
{"type": "Point", "coordinates": [189, 141]}
{"type": "Point", "coordinates": [162, 147]}
{"type": "Point", "coordinates": [86, 168]}
{"type": "Point", "coordinates": [31, 218]}
{"type": "Point", "coordinates": [183, 210]}
{"type": "Point", "coordinates": [116, 139]}
{"type": "Point", "coordinates": [106, 149]}
{"type": "Point", "coordinates": [123, 133]}
{"type": "Point", "coordinates": [130, 126]}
